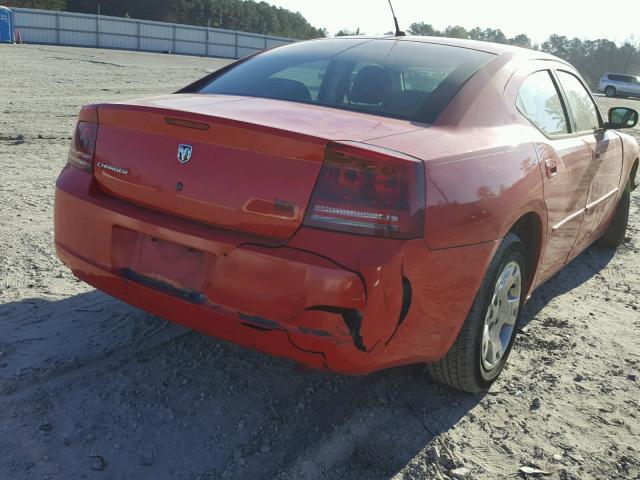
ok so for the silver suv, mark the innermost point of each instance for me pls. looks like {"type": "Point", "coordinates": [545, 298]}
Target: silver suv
{"type": "Point", "coordinates": [619, 84]}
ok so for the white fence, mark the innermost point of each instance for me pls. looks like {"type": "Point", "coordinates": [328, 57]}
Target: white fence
{"type": "Point", "coordinates": [78, 29]}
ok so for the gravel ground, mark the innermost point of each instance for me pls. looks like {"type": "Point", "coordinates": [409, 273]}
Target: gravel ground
{"type": "Point", "coordinates": [91, 388]}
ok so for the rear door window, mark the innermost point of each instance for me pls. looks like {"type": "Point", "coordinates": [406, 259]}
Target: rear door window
{"type": "Point", "coordinates": [539, 101]}
{"type": "Point", "coordinates": [582, 108]}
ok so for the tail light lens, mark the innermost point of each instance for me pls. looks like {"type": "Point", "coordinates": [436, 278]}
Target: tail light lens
{"type": "Point", "coordinates": [83, 145]}
{"type": "Point", "coordinates": [369, 191]}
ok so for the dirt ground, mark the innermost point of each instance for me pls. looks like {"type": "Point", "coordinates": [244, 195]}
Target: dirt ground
{"type": "Point", "coordinates": [91, 388]}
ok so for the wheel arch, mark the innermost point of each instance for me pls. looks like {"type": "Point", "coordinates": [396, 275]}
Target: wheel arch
{"type": "Point", "coordinates": [529, 228]}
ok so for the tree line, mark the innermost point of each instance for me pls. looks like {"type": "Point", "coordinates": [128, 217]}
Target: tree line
{"type": "Point", "coordinates": [477, 33]}
{"type": "Point", "coordinates": [243, 15]}
{"type": "Point", "coordinates": [591, 57]}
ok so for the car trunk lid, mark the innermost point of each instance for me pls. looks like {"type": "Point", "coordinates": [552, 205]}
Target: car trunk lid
{"type": "Point", "coordinates": [244, 164]}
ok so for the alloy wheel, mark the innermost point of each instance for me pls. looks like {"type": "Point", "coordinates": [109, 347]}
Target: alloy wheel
{"type": "Point", "coordinates": [501, 316]}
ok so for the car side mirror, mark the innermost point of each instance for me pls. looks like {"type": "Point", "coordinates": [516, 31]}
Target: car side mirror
{"type": "Point", "coordinates": [622, 117]}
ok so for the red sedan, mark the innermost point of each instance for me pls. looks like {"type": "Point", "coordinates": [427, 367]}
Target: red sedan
{"type": "Point", "coordinates": [353, 203]}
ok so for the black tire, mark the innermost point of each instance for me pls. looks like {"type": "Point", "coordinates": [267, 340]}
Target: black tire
{"type": "Point", "coordinates": [462, 367]}
{"type": "Point", "coordinates": [610, 91]}
{"type": "Point", "coordinates": [614, 235]}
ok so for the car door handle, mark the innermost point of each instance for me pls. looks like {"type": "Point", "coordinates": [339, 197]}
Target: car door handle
{"type": "Point", "coordinates": [551, 167]}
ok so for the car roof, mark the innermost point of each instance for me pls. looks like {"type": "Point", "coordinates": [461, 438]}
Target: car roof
{"type": "Point", "coordinates": [489, 47]}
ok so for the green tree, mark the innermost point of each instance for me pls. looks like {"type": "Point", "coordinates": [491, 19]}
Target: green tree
{"type": "Point", "coordinates": [521, 41]}
{"type": "Point", "coordinates": [496, 36]}
{"type": "Point", "coordinates": [488, 35]}
{"type": "Point", "coordinates": [425, 29]}
{"type": "Point", "coordinates": [345, 32]}
{"type": "Point", "coordinates": [557, 45]}
{"type": "Point", "coordinates": [456, 32]}
{"type": "Point", "coordinates": [476, 34]}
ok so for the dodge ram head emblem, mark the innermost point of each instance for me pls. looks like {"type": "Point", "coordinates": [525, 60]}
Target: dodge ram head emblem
{"type": "Point", "coordinates": [184, 153]}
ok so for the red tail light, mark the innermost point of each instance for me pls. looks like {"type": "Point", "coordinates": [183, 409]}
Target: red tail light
{"type": "Point", "coordinates": [369, 191]}
{"type": "Point", "coordinates": [83, 145]}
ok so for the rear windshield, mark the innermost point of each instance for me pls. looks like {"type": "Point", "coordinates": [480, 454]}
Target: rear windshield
{"type": "Point", "coordinates": [394, 78]}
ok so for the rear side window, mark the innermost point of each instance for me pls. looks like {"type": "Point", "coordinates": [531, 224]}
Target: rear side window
{"type": "Point", "coordinates": [582, 108]}
{"type": "Point", "coordinates": [539, 101]}
{"type": "Point", "coordinates": [623, 78]}
{"type": "Point", "coordinates": [395, 78]}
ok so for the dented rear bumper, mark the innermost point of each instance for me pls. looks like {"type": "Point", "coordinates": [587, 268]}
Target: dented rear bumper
{"type": "Point", "coordinates": [331, 301]}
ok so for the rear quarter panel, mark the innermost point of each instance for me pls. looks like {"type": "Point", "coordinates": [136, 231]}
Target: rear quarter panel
{"type": "Point", "coordinates": [477, 196]}
{"type": "Point", "coordinates": [479, 181]}
{"type": "Point", "coordinates": [630, 156]}
{"type": "Point", "coordinates": [482, 168]}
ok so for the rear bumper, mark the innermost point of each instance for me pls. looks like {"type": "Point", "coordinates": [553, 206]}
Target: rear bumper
{"type": "Point", "coordinates": [238, 328]}
{"type": "Point", "coordinates": [332, 301]}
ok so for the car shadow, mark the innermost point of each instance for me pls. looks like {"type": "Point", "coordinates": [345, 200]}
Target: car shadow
{"type": "Point", "coordinates": [582, 268]}
{"type": "Point", "coordinates": [148, 396]}
{"type": "Point", "coordinates": [94, 376]}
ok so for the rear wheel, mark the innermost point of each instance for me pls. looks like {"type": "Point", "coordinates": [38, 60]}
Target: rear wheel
{"type": "Point", "coordinates": [481, 350]}
{"type": "Point", "coordinates": [610, 91]}
{"type": "Point", "coordinates": [614, 235]}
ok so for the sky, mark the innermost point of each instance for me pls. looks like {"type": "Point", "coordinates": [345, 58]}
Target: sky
{"type": "Point", "coordinates": [537, 19]}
